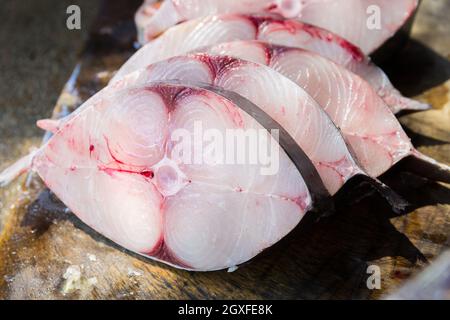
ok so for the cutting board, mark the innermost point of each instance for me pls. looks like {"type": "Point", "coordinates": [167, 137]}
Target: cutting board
{"type": "Point", "coordinates": [46, 252]}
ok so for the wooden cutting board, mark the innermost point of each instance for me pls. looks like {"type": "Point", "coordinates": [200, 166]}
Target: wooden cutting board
{"type": "Point", "coordinates": [46, 252]}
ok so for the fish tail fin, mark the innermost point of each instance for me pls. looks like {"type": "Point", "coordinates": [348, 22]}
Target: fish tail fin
{"type": "Point", "coordinates": [399, 103]}
{"type": "Point", "coordinates": [408, 104]}
{"type": "Point", "coordinates": [50, 125]}
{"type": "Point", "coordinates": [21, 166]}
{"type": "Point", "coordinates": [397, 203]}
{"type": "Point", "coordinates": [428, 167]}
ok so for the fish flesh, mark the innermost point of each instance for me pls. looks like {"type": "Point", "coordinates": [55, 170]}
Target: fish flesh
{"type": "Point", "coordinates": [373, 134]}
{"type": "Point", "coordinates": [365, 23]}
{"type": "Point", "coordinates": [283, 100]}
{"type": "Point", "coordinates": [372, 131]}
{"type": "Point", "coordinates": [213, 30]}
{"type": "Point", "coordinates": [116, 165]}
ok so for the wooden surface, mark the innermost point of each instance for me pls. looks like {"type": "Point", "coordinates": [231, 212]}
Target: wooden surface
{"type": "Point", "coordinates": [322, 259]}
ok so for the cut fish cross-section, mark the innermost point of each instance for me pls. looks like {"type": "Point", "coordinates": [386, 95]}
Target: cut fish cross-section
{"type": "Point", "coordinates": [115, 165]}
{"type": "Point", "coordinates": [279, 97]}
{"type": "Point", "coordinates": [369, 127]}
{"type": "Point", "coordinates": [366, 23]}
{"type": "Point", "coordinates": [374, 135]}
{"type": "Point", "coordinates": [214, 30]}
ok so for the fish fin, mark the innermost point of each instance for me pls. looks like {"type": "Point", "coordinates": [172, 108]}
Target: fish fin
{"type": "Point", "coordinates": [397, 203]}
{"type": "Point", "coordinates": [50, 125]}
{"type": "Point", "coordinates": [399, 103]}
{"type": "Point", "coordinates": [323, 206]}
{"type": "Point", "coordinates": [16, 169]}
{"type": "Point", "coordinates": [428, 167]}
{"type": "Point", "coordinates": [403, 104]}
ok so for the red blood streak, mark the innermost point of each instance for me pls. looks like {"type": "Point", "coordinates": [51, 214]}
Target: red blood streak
{"type": "Point", "coordinates": [163, 253]}
{"type": "Point", "coordinates": [293, 26]}
{"type": "Point", "coordinates": [217, 64]}
{"type": "Point", "coordinates": [352, 49]}
{"type": "Point", "coordinates": [301, 202]}
{"type": "Point", "coordinates": [272, 7]}
{"type": "Point", "coordinates": [148, 174]}
{"type": "Point", "coordinates": [110, 152]}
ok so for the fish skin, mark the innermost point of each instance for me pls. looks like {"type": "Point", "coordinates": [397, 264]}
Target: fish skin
{"type": "Point", "coordinates": [384, 17]}
{"type": "Point", "coordinates": [213, 30]}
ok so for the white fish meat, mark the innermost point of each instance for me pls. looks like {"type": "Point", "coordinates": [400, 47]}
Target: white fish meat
{"type": "Point", "coordinates": [113, 165]}
{"type": "Point", "coordinates": [365, 23]}
{"type": "Point", "coordinates": [283, 100]}
{"type": "Point", "coordinates": [279, 97]}
{"type": "Point", "coordinates": [213, 30]}
{"type": "Point", "coordinates": [369, 127]}
{"type": "Point", "coordinates": [373, 134]}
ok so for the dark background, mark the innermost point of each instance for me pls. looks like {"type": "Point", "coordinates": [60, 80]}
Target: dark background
{"type": "Point", "coordinates": [37, 55]}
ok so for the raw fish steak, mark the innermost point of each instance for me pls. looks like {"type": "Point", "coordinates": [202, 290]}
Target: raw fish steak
{"type": "Point", "coordinates": [213, 30]}
{"type": "Point", "coordinates": [279, 97]}
{"type": "Point", "coordinates": [116, 165]}
{"type": "Point", "coordinates": [365, 23]}
{"type": "Point", "coordinates": [369, 127]}
{"type": "Point", "coordinates": [373, 134]}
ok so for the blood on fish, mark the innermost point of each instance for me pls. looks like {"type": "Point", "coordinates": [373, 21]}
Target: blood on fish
{"type": "Point", "coordinates": [218, 63]}
{"type": "Point", "coordinates": [110, 171]}
{"type": "Point", "coordinates": [91, 149]}
{"type": "Point", "coordinates": [148, 174]}
{"type": "Point", "coordinates": [163, 253]}
{"type": "Point", "coordinates": [110, 152]}
{"type": "Point", "coordinates": [272, 7]}
{"type": "Point", "coordinates": [256, 20]}
{"type": "Point", "coordinates": [171, 94]}
{"type": "Point", "coordinates": [293, 26]}
{"type": "Point", "coordinates": [334, 17]}
{"type": "Point", "coordinates": [335, 165]}
{"type": "Point", "coordinates": [301, 202]}
{"type": "Point", "coordinates": [352, 49]}
{"type": "Point", "coordinates": [289, 26]}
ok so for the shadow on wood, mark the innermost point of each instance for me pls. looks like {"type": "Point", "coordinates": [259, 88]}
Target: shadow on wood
{"type": "Point", "coordinates": [416, 69]}
{"type": "Point", "coordinates": [325, 258]}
